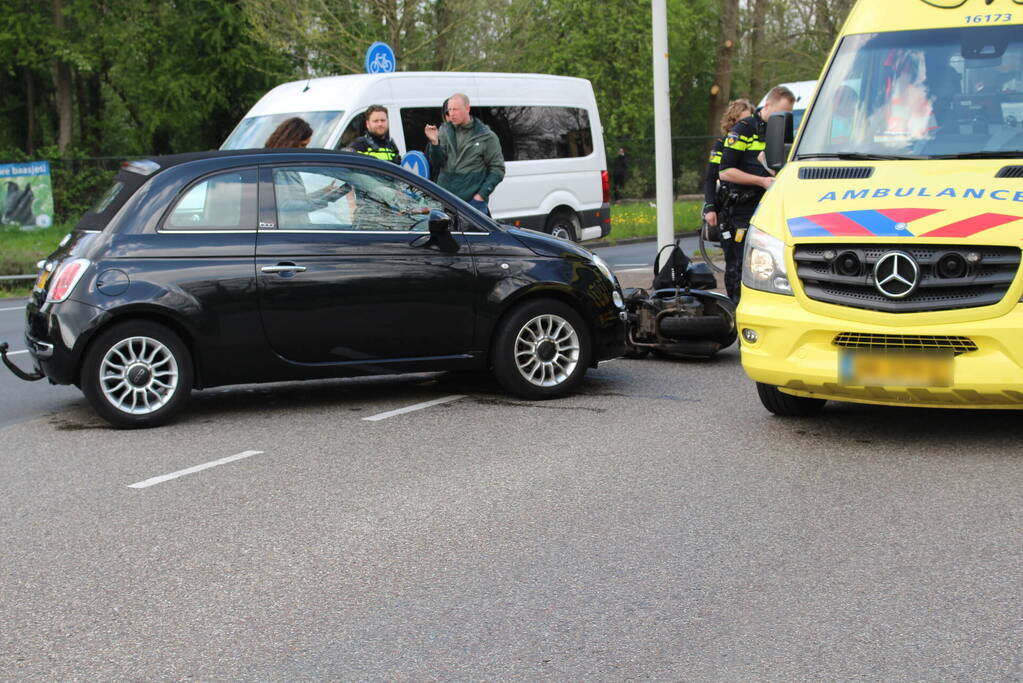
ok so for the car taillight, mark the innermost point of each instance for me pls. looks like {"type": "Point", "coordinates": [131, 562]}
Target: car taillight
{"type": "Point", "coordinates": [605, 186]}
{"type": "Point", "coordinates": [67, 276]}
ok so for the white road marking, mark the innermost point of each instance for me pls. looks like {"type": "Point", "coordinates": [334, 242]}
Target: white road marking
{"type": "Point", "coordinates": [630, 270]}
{"type": "Point", "coordinates": [191, 470]}
{"type": "Point", "coordinates": [409, 409]}
{"type": "Point", "coordinates": [626, 265]}
{"type": "Point", "coordinates": [15, 353]}
{"type": "Point", "coordinates": [16, 308]}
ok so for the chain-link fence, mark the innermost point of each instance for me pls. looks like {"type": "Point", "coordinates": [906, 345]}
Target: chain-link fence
{"type": "Point", "coordinates": [688, 163]}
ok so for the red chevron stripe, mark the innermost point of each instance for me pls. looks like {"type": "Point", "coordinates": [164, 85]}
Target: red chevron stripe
{"type": "Point", "coordinates": [907, 215]}
{"type": "Point", "coordinates": [840, 225]}
{"type": "Point", "coordinates": [971, 226]}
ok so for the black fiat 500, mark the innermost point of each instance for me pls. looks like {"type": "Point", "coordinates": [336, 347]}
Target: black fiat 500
{"type": "Point", "coordinates": [202, 270]}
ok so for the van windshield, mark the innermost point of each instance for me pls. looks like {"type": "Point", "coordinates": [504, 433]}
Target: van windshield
{"type": "Point", "coordinates": [939, 93]}
{"type": "Point", "coordinates": [253, 131]}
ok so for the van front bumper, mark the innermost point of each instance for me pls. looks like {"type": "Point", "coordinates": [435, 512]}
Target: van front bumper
{"type": "Point", "coordinates": [795, 351]}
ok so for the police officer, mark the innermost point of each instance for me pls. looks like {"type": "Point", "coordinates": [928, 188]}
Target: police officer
{"type": "Point", "coordinates": [712, 198]}
{"type": "Point", "coordinates": [747, 179]}
{"type": "Point", "coordinates": [376, 142]}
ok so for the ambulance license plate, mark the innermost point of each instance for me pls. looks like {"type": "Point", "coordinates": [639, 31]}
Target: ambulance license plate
{"type": "Point", "coordinates": [895, 368]}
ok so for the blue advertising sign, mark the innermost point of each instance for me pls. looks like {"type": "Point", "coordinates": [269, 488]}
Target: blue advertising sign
{"type": "Point", "coordinates": [380, 59]}
{"type": "Point", "coordinates": [416, 163]}
{"type": "Point", "coordinates": [26, 195]}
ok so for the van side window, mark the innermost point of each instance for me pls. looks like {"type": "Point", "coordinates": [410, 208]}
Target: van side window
{"type": "Point", "coordinates": [355, 128]}
{"type": "Point", "coordinates": [526, 133]}
{"type": "Point", "coordinates": [226, 201]}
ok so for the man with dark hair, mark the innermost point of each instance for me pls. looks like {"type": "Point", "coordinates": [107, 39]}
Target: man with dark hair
{"type": "Point", "coordinates": [746, 178]}
{"type": "Point", "coordinates": [467, 153]}
{"type": "Point", "coordinates": [376, 142]}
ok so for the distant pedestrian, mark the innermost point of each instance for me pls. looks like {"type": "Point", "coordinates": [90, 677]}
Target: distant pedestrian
{"type": "Point", "coordinates": [619, 174]}
{"type": "Point", "coordinates": [376, 142]}
{"type": "Point", "coordinates": [467, 153]}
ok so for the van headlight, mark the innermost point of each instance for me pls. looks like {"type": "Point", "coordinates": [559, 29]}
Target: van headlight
{"type": "Point", "coordinates": [763, 263]}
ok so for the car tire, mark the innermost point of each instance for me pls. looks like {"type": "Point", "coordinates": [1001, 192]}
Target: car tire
{"type": "Point", "coordinates": [541, 350]}
{"type": "Point", "coordinates": [787, 405]}
{"type": "Point", "coordinates": [564, 225]}
{"type": "Point", "coordinates": [137, 374]}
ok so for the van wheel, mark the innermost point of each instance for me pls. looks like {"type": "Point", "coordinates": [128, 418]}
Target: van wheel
{"type": "Point", "coordinates": [787, 405]}
{"type": "Point", "coordinates": [564, 225]}
{"type": "Point", "coordinates": [137, 374]}
{"type": "Point", "coordinates": [541, 350]}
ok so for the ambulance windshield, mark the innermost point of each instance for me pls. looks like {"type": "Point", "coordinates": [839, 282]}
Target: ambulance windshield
{"type": "Point", "coordinates": [938, 93]}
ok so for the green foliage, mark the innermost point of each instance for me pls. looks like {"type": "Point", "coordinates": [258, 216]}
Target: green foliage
{"type": "Point", "coordinates": [21, 250]}
{"type": "Point", "coordinates": [639, 218]}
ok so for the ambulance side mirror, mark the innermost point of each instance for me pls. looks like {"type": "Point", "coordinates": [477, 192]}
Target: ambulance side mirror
{"type": "Point", "coordinates": [779, 139]}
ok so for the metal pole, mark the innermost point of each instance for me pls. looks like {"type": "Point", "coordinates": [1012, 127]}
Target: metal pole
{"type": "Point", "coordinates": [662, 128]}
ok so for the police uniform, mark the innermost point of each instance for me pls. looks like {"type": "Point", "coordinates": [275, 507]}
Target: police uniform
{"type": "Point", "coordinates": [710, 179]}
{"type": "Point", "coordinates": [741, 149]}
{"type": "Point", "coordinates": [380, 148]}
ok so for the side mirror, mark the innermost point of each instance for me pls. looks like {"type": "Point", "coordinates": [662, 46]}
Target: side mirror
{"type": "Point", "coordinates": [440, 223]}
{"type": "Point", "coordinates": [779, 139]}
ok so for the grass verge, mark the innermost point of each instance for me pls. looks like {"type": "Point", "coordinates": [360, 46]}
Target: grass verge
{"type": "Point", "coordinates": [639, 219]}
{"type": "Point", "coordinates": [20, 250]}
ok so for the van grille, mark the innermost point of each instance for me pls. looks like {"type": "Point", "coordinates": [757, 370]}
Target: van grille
{"type": "Point", "coordinates": [983, 283]}
{"type": "Point", "coordinates": [856, 340]}
{"type": "Point", "coordinates": [835, 172]}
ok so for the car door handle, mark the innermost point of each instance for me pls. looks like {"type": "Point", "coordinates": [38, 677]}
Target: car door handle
{"type": "Point", "coordinates": [283, 268]}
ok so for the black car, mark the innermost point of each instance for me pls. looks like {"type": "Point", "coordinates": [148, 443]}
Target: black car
{"type": "Point", "coordinates": [217, 268]}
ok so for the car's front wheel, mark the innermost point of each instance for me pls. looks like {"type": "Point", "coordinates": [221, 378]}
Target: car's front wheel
{"type": "Point", "coordinates": [137, 374]}
{"type": "Point", "coordinates": [787, 405]}
{"type": "Point", "coordinates": [541, 350]}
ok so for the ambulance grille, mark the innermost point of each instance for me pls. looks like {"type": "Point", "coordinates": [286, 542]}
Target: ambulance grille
{"type": "Point", "coordinates": [983, 282]}
{"type": "Point", "coordinates": [1010, 172]}
{"type": "Point", "coordinates": [835, 172]}
{"type": "Point", "coordinates": [856, 340]}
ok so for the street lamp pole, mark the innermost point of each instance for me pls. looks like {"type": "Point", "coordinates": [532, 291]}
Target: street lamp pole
{"type": "Point", "coordinates": [662, 128]}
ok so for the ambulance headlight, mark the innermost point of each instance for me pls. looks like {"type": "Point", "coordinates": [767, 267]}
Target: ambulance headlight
{"type": "Point", "coordinates": [763, 264]}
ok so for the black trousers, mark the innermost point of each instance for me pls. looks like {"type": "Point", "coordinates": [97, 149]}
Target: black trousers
{"type": "Point", "coordinates": [733, 255]}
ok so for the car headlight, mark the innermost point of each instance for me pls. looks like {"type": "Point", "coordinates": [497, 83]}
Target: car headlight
{"type": "Point", "coordinates": [763, 263]}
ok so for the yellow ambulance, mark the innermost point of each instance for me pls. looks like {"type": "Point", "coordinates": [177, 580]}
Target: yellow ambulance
{"type": "Point", "coordinates": [883, 265]}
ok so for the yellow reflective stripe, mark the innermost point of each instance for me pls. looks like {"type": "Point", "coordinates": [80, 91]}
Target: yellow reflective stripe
{"type": "Point", "coordinates": [715, 158]}
{"type": "Point", "coordinates": [382, 154]}
{"type": "Point", "coordinates": [757, 146]}
{"type": "Point", "coordinates": [736, 145]}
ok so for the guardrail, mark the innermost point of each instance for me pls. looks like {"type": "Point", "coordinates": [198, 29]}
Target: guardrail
{"type": "Point", "coordinates": [9, 278]}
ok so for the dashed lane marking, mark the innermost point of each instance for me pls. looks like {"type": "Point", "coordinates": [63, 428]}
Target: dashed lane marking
{"type": "Point", "coordinates": [16, 308]}
{"type": "Point", "coordinates": [192, 470]}
{"type": "Point", "coordinates": [409, 409]}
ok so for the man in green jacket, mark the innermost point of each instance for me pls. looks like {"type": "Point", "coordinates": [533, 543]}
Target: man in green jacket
{"type": "Point", "coordinates": [467, 153]}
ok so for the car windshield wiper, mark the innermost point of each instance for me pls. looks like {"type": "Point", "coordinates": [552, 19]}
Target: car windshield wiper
{"type": "Point", "coordinates": [860, 156]}
{"type": "Point", "coordinates": [1008, 154]}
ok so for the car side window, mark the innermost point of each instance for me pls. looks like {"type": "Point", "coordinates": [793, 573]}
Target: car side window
{"type": "Point", "coordinates": [349, 198]}
{"type": "Point", "coordinates": [226, 201]}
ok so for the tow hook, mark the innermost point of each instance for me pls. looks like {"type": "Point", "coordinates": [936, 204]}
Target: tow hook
{"type": "Point", "coordinates": [18, 372]}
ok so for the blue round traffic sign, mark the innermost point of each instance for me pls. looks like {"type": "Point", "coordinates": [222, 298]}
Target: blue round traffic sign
{"type": "Point", "coordinates": [416, 163]}
{"type": "Point", "coordinates": [380, 59]}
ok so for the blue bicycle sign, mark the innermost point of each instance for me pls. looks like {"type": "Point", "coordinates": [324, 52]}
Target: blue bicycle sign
{"type": "Point", "coordinates": [416, 163]}
{"type": "Point", "coordinates": [380, 59]}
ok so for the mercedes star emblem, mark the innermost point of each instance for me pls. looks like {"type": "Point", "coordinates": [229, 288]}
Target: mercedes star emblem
{"type": "Point", "coordinates": [896, 274]}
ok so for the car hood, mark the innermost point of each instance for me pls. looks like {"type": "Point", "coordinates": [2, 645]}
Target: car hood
{"type": "Point", "coordinates": [545, 245]}
{"type": "Point", "coordinates": [958, 200]}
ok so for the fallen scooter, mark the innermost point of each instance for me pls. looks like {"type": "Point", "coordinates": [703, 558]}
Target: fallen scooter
{"type": "Point", "coordinates": [679, 317]}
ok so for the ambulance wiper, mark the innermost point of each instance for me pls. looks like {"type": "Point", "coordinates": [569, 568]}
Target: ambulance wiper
{"type": "Point", "coordinates": [859, 156]}
{"type": "Point", "coordinates": [1009, 154]}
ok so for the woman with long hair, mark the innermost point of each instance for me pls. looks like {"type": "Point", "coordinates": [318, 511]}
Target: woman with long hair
{"type": "Point", "coordinates": [293, 132]}
{"type": "Point", "coordinates": [293, 202]}
{"type": "Point", "coordinates": [735, 112]}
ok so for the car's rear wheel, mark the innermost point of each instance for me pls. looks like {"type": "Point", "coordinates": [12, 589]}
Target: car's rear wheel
{"type": "Point", "coordinates": [137, 374]}
{"type": "Point", "coordinates": [564, 225]}
{"type": "Point", "coordinates": [787, 405]}
{"type": "Point", "coordinates": [541, 350]}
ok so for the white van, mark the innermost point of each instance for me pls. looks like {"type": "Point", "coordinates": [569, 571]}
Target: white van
{"type": "Point", "coordinates": [803, 90]}
{"type": "Point", "coordinates": [556, 172]}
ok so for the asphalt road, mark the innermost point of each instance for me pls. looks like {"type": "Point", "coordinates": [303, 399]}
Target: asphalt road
{"type": "Point", "coordinates": [658, 525]}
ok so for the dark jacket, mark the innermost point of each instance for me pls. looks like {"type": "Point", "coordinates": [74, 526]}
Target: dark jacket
{"type": "Point", "coordinates": [475, 168]}
{"type": "Point", "coordinates": [710, 179]}
{"type": "Point", "coordinates": [741, 150]}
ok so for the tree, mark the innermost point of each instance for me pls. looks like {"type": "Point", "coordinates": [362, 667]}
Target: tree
{"type": "Point", "coordinates": [721, 90]}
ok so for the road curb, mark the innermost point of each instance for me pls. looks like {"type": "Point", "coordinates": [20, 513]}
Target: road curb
{"type": "Point", "coordinates": [634, 240]}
